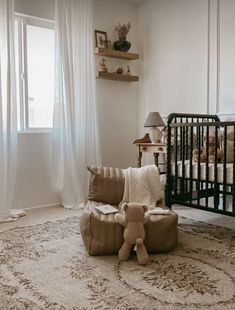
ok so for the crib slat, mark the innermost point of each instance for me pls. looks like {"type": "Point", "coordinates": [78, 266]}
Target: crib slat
{"type": "Point", "coordinates": [233, 186]}
{"type": "Point", "coordinates": [169, 180]}
{"type": "Point", "coordinates": [216, 186]}
{"type": "Point", "coordinates": [191, 165]}
{"type": "Point", "coordinates": [181, 156]}
{"type": "Point", "coordinates": [186, 151]}
{"type": "Point", "coordinates": [187, 140]}
{"type": "Point", "coordinates": [207, 162]}
{"type": "Point", "coordinates": [176, 159]}
{"type": "Point", "coordinates": [224, 168]}
{"type": "Point", "coordinates": [198, 183]}
{"type": "Point", "coordinates": [183, 161]}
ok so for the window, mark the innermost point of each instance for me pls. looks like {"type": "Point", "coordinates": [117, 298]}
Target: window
{"type": "Point", "coordinates": [35, 72]}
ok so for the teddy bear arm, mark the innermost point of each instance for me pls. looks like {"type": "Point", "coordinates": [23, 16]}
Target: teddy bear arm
{"type": "Point", "coordinates": [120, 219]}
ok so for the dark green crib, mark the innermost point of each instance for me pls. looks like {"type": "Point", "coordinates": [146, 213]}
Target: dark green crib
{"type": "Point", "coordinates": [203, 182]}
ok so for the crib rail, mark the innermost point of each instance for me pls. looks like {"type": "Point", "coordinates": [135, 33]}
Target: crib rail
{"type": "Point", "coordinates": [201, 162]}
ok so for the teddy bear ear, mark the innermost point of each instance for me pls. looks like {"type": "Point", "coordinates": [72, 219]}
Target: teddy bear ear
{"type": "Point", "coordinates": [124, 206]}
{"type": "Point", "coordinates": [145, 208]}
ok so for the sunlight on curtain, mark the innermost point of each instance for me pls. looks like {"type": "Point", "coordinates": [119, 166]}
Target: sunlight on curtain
{"type": "Point", "coordinates": [8, 116]}
{"type": "Point", "coordinates": [75, 130]}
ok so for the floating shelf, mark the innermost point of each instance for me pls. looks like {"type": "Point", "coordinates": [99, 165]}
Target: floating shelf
{"type": "Point", "coordinates": [117, 77]}
{"type": "Point", "coordinates": [115, 54]}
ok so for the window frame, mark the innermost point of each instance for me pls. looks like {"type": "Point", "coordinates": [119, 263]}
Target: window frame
{"type": "Point", "coordinates": [22, 22]}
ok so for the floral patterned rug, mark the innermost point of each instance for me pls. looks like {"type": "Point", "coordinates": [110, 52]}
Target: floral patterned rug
{"type": "Point", "coordinates": [46, 267]}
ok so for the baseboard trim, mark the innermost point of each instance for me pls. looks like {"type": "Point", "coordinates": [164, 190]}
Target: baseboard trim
{"type": "Point", "coordinates": [57, 204]}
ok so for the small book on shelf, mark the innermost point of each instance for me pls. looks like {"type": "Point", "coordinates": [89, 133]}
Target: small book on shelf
{"type": "Point", "coordinates": [106, 209]}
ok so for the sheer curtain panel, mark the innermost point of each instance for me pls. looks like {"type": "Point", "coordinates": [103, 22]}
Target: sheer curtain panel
{"type": "Point", "coordinates": [75, 129]}
{"type": "Point", "coordinates": [8, 110]}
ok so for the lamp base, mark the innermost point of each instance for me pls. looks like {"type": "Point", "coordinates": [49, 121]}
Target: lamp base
{"type": "Point", "coordinates": [155, 135]}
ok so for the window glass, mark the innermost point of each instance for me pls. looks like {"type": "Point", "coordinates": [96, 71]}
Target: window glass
{"type": "Point", "coordinates": [40, 73]}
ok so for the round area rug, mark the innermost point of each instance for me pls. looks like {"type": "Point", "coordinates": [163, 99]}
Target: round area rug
{"type": "Point", "coordinates": [46, 267]}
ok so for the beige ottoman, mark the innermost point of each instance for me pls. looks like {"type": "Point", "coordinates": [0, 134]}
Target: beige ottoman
{"type": "Point", "coordinates": [102, 235]}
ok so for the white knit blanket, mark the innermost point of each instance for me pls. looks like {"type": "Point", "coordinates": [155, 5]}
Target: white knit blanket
{"type": "Point", "coordinates": [142, 185]}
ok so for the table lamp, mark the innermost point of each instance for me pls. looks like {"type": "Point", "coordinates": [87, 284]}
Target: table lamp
{"type": "Point", "coordinates": [153, 121]}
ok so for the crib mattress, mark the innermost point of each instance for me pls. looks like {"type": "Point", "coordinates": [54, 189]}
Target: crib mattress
{"type": "Point", "coordinates": [203, 171]}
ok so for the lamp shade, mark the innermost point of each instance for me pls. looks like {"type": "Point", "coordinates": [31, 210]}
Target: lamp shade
{"type": "Point", "coordinates": [154, 120]}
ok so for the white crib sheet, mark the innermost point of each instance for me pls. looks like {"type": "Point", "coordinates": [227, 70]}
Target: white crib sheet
{"type": "Point", "coordinates": [211, 174]}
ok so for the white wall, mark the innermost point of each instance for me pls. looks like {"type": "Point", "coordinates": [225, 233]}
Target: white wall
{"type": "Point", "coordinates": [226, 59]}
{"type": "Point", "coordinates": [39, 8]}
{"type": "Point", "coordinates": [173, 40]}
{"type": "Point", "coordinates": [117, 108]}
{"type": "Point", "coordinates": [33, 183]}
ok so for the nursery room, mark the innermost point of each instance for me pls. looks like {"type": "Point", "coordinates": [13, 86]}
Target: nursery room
{"type": "Point", "coordinates": [117, 157]}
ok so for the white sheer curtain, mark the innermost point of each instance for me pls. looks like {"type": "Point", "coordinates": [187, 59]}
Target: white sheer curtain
{"type": "Point", "coordinates": [8, 110]}
{"type": "Point", "coordinates": [75, 130]}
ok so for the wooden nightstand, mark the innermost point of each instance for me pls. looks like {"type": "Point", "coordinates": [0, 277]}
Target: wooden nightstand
{"type": "Point", "coordinates": [154, 148]}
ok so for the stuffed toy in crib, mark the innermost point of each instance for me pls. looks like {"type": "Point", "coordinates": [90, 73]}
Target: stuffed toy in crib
{"type": "Point", "coordinates": [211, 151]}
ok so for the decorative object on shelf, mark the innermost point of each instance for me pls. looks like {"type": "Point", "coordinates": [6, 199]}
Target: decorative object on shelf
{"type": "Point", "coordinates": [109, 45]}
{"type": "Point", "coordinates": [119, 71]}
{"type": "Point", "coordinates": [122, 44]}
{"type": "Point", "coordinates": [153, 121]}
{"type": "Point", "coordinates": [128, 70]}
{"type": "Point", "coordinates": [101, 39]}
{"type": "Point", "coordinates": [103, 66]}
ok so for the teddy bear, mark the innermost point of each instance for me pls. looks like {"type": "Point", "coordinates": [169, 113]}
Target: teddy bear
{"type": "Point", "coordinates": [133, 219]}
{"type": "Point", "coordinates": [211, 151]}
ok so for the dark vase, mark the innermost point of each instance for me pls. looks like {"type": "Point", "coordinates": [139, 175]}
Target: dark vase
{"type": "Point", "coordinates": [122, 45]}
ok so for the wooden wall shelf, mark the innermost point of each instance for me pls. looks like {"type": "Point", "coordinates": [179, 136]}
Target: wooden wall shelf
{"type": "Point", "coordinates": [117, 77]}
{"type": "Point", "coordinates": [115, 54]}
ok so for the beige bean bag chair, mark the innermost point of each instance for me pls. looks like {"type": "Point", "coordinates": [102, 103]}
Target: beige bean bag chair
{"type": "Point", "coordinates": [102, 235]}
